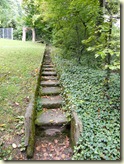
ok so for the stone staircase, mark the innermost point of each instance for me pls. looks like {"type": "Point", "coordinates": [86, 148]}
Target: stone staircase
{"type": "Point", "coordinates": [51, 119]}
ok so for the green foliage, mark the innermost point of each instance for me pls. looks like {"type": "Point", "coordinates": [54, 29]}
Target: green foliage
{"type": "Point", "coordinates": [39, 104]}
{"type": "Point", "coordinates": [10, 12]}
{"type": "Point", "coordinates": [106, 38]}
{"type": "Point", "coordinates": [4, 153]}
{"type": "Point", "coordinates": [72, 22]}
{"type": "Point", "coordinates": [81, 29]}
{"type": "Point", "coordinates": [34, 17]}
{"type": "Point", "coordinates": [98, 108]}
{"type": "Point", "coordinates": [17, 34]}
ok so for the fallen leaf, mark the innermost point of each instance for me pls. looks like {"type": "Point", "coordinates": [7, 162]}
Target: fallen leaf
{"type": "Point", "coordinates": [22, 149]}
{"type": "Point", "coordinates": [22, 131]}
{"type": "Point", "coordinates": [14, 145]}
{"type": "Point", "coordinates": [42, 145]}
{"type": "Point", "coordinates": [51, 120]}
{"type": "Point", "coordinates": [63, 156]}
{"type": "Point", "coordinates": [50, 155]}
{"type": "Point", "coordinates": [2, 125]}
{"type": "Point", "coordinates": [19, 145]}
{"type": "Point", "coordinates": [67, 141]}
{"type": "Point", "coordinates": [56, 158]}
{"type": "Point", "coordinates": [38, 148]}
{"type": "Point", "coordinates": [55, 141]}
{"type": "Point", "coordinates": [51, 146]}
{"type": "Point", "coordinates": [44, 150]}
{"type": "Point", "coordinates": [16, 103]}
{"type": "Point", "coordinates": [45, 154]}
{"type": "Point", "coordinates": [49, 143]}
{"type": "Point", "coordinates": [52, 150]}
{"type": "Point", "coordinates": [57, 153]}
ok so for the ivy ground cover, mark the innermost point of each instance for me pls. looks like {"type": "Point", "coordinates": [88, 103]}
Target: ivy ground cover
{"type": "Point", "coordinates": [98, 108]}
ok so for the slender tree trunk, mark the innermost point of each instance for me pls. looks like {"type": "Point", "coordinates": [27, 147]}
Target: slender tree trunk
{"type": "Point", "coordinates": [78, 44]}
{"type": "Point", "coordinates": [109, 55]}
{"type": "Point", "coordinates": [100, 16]}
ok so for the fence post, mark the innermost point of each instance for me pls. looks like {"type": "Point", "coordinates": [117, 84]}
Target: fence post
{"type": "Point", "coordinates": [3, 33]}
{"type": "Point", "coordinates": [12, 33]}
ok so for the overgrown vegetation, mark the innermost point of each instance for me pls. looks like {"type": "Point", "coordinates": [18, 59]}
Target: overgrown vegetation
{"type": "Point", "coordinates": [19, 65]}
{"type": "Point", "coordinates": [87, 34]}
{"type": "Point", "coordinates": [98, 108]}
{"type": "Point", "coordinates": [81, 29]}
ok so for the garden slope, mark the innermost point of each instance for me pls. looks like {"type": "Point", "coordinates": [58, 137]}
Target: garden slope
{"type": "Point", "coordinates": [97, 108]}
{"type": "Point", "coordinates": [19, 65]}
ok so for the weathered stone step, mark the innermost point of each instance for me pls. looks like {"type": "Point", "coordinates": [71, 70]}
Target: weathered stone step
{"type": "Point", "coordinates": [51, 102]}
{"type": "Point", "coordinates": [49, 73]}
{"type": "Point", "coordinates": [47, 58]}
{"type": "Point", "coordinates": [48, 69]}
{"type": "Point", "coordinates": [48, 77]}
{"type": "Point", "coordinates": [47, 62]}
{"type": "Point", "coordinates": [50, 91]}
{"type": "Point", "coordinates": [48, 65]}
{"type": "Point", "coordinates": [50, 83]}
{"type": "Point", "coordinates": [51, 117]}
{"type": "Point", "coordinates": [44, 63]}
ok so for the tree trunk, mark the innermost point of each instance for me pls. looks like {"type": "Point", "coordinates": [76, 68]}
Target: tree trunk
{"type": "Point", "coordinates": [109, 55]}
{"type": "Point", "coordinates": [78, 44]}
{"type": "Point", "coordinates": [100, 16]}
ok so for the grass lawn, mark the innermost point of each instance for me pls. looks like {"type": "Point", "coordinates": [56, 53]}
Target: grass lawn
{"type": "Point", "coordinates": [19, 64]}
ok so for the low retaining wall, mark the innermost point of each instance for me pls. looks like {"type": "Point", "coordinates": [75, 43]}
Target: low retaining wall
{"type": "Point", "coordinates": [76, 128]}
{"type": "Point", "coordinates": [30, 115]}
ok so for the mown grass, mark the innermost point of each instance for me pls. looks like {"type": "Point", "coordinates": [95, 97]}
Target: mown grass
{"type": "Point", "coordinates": [19, 64]}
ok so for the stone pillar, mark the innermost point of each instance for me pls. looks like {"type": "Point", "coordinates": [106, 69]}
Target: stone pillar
{"type": "Point", "coordinates": [33, 35]}
{"type": "Point", "coordinates": [24, 34]}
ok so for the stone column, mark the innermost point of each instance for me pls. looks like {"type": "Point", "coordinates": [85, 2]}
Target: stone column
{"type": "Point", "coordinates": [24, 34]}
{"type": "Point", "coordinates": [33, 35]}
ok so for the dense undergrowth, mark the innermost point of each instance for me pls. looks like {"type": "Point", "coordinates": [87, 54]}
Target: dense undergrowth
{"type": "Point", "coordinates": [98, 109]}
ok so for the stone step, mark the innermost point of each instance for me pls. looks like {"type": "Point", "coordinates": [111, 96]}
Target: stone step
{"type": "Point", "coordinates": [47, 58]}
{"type": "Point", "coordinates": [48, 65]}
{"type": "Point", "coordinates": [47, 62]}
{"type": "Point", "coordinates": [48, 77]}
{"type": "Point", "coordinates": [51, 117]}
{"type": "Point", "coordinates": [50, 83]}
{"type": "Point", "coordinates": [48, 69]}
{"type": "Point", "coordinates": [51, 102]}
{"type": "Point", "coordinates": [49, 73]}
{"type": "Point", "coordinates": [50, 91]}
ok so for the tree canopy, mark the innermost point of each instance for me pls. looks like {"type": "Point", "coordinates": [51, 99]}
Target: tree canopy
{"type": "Point", "coordinates": [84, 30]}
{"type": "Point", "coordinates": [79, 28]}
{"type": "Point", "coordinates": [10, 12]}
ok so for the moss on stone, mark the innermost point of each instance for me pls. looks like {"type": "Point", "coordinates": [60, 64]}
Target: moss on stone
{"type": "Point", "coordinates": [31, 119]}
{"type": "Point", "coordinates": [31, 140]}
